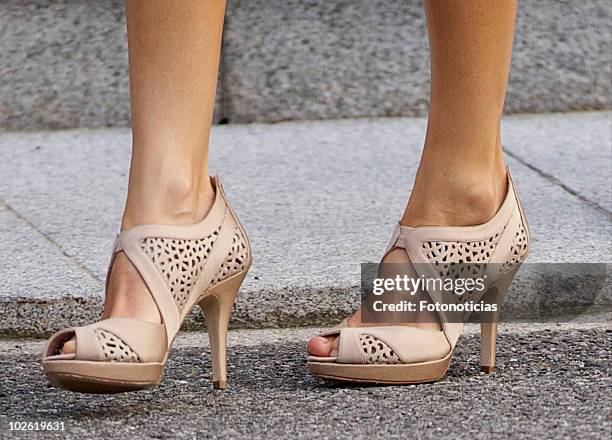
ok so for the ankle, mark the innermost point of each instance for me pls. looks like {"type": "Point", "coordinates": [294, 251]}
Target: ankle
{"type": "Point", "coordinates": [456, 199]}
{"type": "Point", "coordinates": [174, 201]}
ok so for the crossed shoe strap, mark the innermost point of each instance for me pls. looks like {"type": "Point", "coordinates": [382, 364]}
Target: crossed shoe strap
{"type": "Point", "coordinates": [178, 263]}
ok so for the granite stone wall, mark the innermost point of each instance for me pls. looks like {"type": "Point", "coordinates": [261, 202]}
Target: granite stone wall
{"type": "Point", "coordinates": [64, 62]}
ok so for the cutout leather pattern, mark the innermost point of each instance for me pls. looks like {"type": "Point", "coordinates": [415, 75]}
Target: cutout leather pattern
{"type": "Point", "coordinates": [236, 259]}
{"type": "Point", "coordinates": [114, 349]}
{"type": "Point", "coordinates": [180, 261]}
{"type": "Point", "coordinates": [377, 351]}
{"type": "Point", "coordinates": [519, 249]}
{"type": "Point", "coordinates": [460, 259]}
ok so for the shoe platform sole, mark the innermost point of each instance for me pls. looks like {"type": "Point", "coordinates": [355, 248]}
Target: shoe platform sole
{"type": "Point", "coordinates": [102, 377]}
{"type": "Point", "coordinates": [396, 374]}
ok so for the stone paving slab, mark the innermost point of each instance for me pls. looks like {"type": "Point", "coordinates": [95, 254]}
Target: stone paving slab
{"type": "Point", "coordinates": [577, 153]}
{"type": "Point", "coordinates": [552, 381]}
{"type": "Point", "coordinates": [40, 267]}
{"type": "Point", "coordinates": [317, 199]}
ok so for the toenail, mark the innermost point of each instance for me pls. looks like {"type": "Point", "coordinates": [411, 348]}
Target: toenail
{"type": "Point", "coordinates": [322, 340]}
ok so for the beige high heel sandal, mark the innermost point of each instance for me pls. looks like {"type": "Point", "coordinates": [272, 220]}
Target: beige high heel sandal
{"type": "Point", "coordinates": [182, 266]}
{"type": "Point", "coordinates": [406, 355]}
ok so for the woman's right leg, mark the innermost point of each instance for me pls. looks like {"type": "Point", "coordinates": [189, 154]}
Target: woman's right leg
{"type": "Point", "coordinates": [174, 56]}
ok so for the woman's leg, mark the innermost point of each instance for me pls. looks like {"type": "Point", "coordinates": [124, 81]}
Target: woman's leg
{"type": "Point", "coordinates": [461, 179]}
{"type": "Point", "coordinates": [174, 56]}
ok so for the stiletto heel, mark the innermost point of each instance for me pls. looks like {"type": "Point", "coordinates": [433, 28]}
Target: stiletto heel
{"type": "Point", "coordinates": [488, 334]}
{"type": "Point", "coordinates": [490, 320]}
{"type": "Point", "coordinates": [182, 266]}
{"type": "Point", "coordinates": [217, 307]}
{"type": "Point", "coordinates": [404, 355]}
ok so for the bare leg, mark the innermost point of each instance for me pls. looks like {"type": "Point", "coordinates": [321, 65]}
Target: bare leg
{"type": "Point", "coordinates": [174, 56]}
{"type": "Point", "coordinates": [461, 179]}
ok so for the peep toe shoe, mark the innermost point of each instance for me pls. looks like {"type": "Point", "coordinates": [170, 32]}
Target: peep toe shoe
{"type": "Point", "coordinates": [396, 354]}
{"type": "Point", "coordinates": [183, 266]}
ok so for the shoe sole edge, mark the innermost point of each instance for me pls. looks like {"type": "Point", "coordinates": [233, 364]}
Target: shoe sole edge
{"type": "Point", "coordinates": [102, 377]}
{"type": "Point", "coordinates": [396, 374]}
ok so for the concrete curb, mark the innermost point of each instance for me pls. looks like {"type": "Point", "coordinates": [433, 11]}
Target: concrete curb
{"type": "Point", "coordinates": [317, 199]}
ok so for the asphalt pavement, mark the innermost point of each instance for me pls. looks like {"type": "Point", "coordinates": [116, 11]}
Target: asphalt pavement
{"type": "Point", "coordinates": [553, 382]}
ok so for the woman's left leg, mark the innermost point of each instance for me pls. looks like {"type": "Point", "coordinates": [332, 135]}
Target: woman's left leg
{"type": "Point", "coordinates": [461, 180]}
